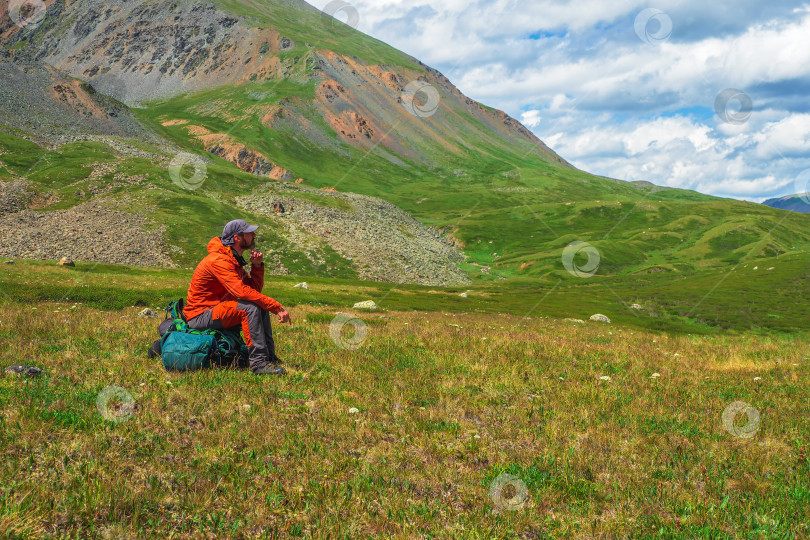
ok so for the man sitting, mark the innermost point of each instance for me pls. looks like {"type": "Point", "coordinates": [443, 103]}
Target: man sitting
{"type": "Point", "coordinates": [222, 295]}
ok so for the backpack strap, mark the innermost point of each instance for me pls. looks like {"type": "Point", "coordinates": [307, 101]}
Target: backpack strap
{"type": "Point", "coordinates": [175, 309]}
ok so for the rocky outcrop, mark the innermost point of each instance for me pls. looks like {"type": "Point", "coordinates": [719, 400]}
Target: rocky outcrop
{"type": "Point", "coordinates": [244, 158]}
{"type": "Point", "coordinates": [225, 147]}
{"type": "Point", "coordinates": [144, 50]}
{"type": "Point", "coordinates": [280, 173]}
{"type": "Point", "coordinates": [91, 232]}
{"type": "Point", "coordinates": [54, 108]}
{"type": "Point", "coordinates": [383, 242]}
{"type": "Point", "coordinates": [14, 196]}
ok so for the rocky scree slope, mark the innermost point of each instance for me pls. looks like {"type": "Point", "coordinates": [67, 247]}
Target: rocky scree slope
{"type": "Point", "coordinates": [383, 242]}
{"type": "Point", "coordinates": [91, 231]}
{"type": "Point", "coordinates": [55, 108]}
{"type": "Point", "coordinates": [375, 238]}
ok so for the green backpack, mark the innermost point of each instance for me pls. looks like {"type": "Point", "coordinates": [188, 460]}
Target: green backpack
{"type": "Point", "coordinates": [184, 349]}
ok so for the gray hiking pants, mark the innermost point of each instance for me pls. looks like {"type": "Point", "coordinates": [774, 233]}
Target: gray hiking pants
{"type": "Point", "coordinates": [249, 318]}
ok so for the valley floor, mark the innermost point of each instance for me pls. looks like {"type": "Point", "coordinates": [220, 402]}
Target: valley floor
{"type": "Point", "coordinates": [403, 424]}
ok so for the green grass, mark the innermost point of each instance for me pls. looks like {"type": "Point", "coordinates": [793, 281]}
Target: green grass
{"type": "Point", "coordinates": [706, 281]}
{"type": "Point", "coordinates": [225, 454]}
{"type": "Point", "coordinates": [631, 235]}
{"type": "Point", "coordinates": [626, 224]}
{"type": "Point", "coordinates": [766, 302]}
{"type": "Point", "coordinates": [313, 27]}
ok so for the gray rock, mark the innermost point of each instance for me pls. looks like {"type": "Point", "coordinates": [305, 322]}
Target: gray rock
{"type": "Point", "coordinates": [64, 261]}
{"type": "Point", "coordinates": [464, 295]}
{"type": "Point", "coordinates": [636, 306]}
{"type": "Point", "coordinates": [580, 321]}
{"type": "Point", "coordinates": [302, 286]}
{"type": "Point", "coordinates": [9, 262]}
{"type": "Point", "coordinates": [24, 371]}
{"type": "Point", "coordinates": [285, 44]}
{"type": "Point", "coordinates": [147, 313]}
{"type": "Point", "coordinates": [368, 304]}
{"type": "Point", "coordinates": [600, 318]}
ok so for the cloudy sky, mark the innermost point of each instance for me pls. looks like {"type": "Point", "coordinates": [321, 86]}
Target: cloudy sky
{"type": "Point", "coordinates": [699, 95]}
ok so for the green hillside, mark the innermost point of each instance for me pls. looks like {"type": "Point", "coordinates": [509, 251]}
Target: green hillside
{"type": "Point", "coordinates": [323, 104]}
{"type": "Point", "coordinates": [503, 199]}
{"type": "Point", "coordinates": [305, 24]}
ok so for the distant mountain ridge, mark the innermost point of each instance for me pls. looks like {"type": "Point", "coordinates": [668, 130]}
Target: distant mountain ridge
{"type": "Point", "coordinates": [795, 203]}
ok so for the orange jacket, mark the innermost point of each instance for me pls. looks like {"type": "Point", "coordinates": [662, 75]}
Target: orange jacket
{"type": "Point", "coordinates": [219, 278]}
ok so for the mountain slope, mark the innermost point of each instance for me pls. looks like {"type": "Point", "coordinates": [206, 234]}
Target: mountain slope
{"type": "Point", "coordinates": [42, 100]}
{"type": "Point", "coordinates": [270, 91]}
{"type": "Point", "coordinates": [122, 52]}
{"type": "Point", "coordinates": [796, 203]}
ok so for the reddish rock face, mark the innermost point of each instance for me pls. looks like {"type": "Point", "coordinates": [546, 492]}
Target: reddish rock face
{"type": "Point", "coordinates": [280, 173]}
{"type": "Point", "coordinates": [243, 157]}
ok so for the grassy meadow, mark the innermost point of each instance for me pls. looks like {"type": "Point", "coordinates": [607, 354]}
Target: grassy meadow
{"type": "Point", "coordinates": [503, 414]}
{"type": "Point", "coordinates": [441, 422]}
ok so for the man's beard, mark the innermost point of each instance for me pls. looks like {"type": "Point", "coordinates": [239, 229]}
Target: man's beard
{"type": "Point", "coordinates": [243, 243]}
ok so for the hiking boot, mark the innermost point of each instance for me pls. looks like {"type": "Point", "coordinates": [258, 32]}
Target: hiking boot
{"type": "Point", "coordinates": [154, 350]}
{"type": "Point", "coordinates": [270, 369]}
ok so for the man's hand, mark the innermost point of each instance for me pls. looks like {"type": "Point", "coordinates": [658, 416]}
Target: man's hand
{"type": "Point", "coordinates": [284, 317]}
{"type": "Point", "coordinates": [256, 257]}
